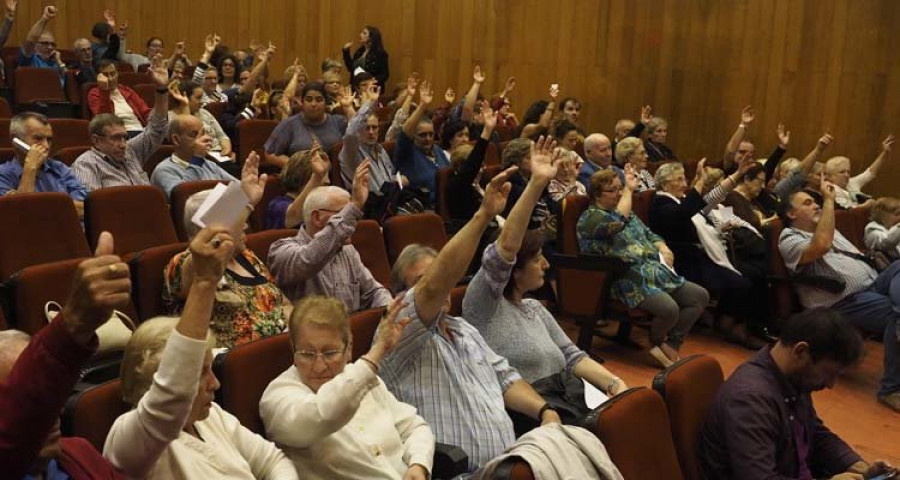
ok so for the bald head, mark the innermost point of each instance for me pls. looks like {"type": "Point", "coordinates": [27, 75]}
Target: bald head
{"type": "Point", "coordinates": [598, 149]}
{"type": "Point", "coordinates": [186, 133]}
{"type": "Point", "coordinates": [12, 344]}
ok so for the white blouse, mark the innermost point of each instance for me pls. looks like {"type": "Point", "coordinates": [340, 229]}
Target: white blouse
{"type": "Point", "coordinates": [352, 428]}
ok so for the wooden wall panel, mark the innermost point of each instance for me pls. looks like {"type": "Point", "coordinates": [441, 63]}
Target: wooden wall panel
{"type": "Point", "coordinates": [814, 65]}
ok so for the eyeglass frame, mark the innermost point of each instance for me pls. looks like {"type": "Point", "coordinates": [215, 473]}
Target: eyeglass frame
{"type": "Point", "coordinates": [316, 355]}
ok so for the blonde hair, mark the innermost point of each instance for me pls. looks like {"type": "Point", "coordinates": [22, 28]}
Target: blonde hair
{"type": "Point", "coordinates": [142, 355]}
{"type": "Point", "coordinates": [713, 177]}
{"type": "Point", "coordinates": [460, 154]}
{"type": "Point", "coordinates": [411, 254]}
{"type": "Point", "coordinates": [191, 205]}
{"type": "Point", "coordinates": [884, 207]}
{"type": "Point", "coordinates": [787, 166]}
{"type": "Point", "coordinates": [322, 311]}
{"type": "Point", "coordinates": [834, 164]}
{"type": "Point", "coordinates": [626, 148]}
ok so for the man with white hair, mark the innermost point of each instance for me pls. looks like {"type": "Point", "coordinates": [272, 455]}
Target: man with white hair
{"type": "Point", "coordinates": [320, 260]}
{"type": "Point", "coordinates": [847, 189]}
{"type": "Point", "coordinates": [599, 155]}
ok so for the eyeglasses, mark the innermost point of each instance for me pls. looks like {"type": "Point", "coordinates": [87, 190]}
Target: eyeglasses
{"type": "Point", "coordinates": [119, 137]}
{"type": "Point", "coordinates": [329, 210]}
{"type": "Point", "coordinates": [372, 127]}
{"type": "Point", "coordinates": [425, 135]}
{"type": "Point", "coordinates": [308, 357]}
{"type": "Point", "coordinates": [612, 190]}
{"type": "Point", "coordinates": [47, 44]}
{"type": "Point", "coordinates": [84, 50]}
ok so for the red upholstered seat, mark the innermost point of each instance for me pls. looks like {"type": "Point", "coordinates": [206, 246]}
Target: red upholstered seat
{"type": "Point", "coordinates": [35, 84]}
{"type": "Point", "coordinates": [70, 132]}
{"type": "Point", "coordinates": [363, 326]}
{"type": "Point", "coordinates": [422, 228]}
{"type": "Point", "coordinates": [90, 413]}
{"type": "Point", "coordinates": [147, 284]}
{"type": "Point", "coordinates": [259, 242]}
{"type": "Point", "coordinates": [137, 216]}
{"type": "Point", "coordinates": [252, 135]}
{"type": "Point", "coordinates": [68, 155]}
{"type": "Point", "coordinates": [369, 242]}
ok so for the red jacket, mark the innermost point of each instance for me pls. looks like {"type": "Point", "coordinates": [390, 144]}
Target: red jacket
{"type": "Point", "coordinates": [82, 461]}
{"type": "Point", "coordinates": [31, 399]}
{"type": "Point", "coordinates": [99, 102]}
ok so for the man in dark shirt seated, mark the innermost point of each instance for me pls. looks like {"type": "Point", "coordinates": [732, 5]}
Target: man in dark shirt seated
{"type": "Point", "coordinates": [762, 423]}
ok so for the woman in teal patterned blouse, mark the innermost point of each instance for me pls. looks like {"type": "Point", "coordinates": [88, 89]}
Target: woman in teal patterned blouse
{"type": "Point", "coordinates": [608, 227]}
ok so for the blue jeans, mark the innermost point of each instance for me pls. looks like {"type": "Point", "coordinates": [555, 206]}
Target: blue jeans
{"type": "Point", "coordinates": [877, 310]}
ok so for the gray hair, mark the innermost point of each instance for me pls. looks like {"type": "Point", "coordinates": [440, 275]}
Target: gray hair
{"type": "Point", "coordinates": [17, 123]}
{"type": "Point", "coordinates": [622, 122]}
{"type": "Point", "coordinates": [655, 123]}
{"type": "Point", "coordinates": [12, 342]}
{"type": "Point", "coordinates": [102, 121]}
{"type": "Point", "coordinates": [665, 172]}
{"type": "Point", "coordinates": [191, 205]}
{"type": "Point", "coordinates": [320, 198]}
{"type": "Point", "coordinates": [81, 41]}
{"type": "Point", "coordinates": [411, 254]}
{"type": "Point", "coordinates": [593, 140]}
{"type": "Point", "coordinates": [142, 356]}
{"type": "Point", "coordinates": [625, 148]}
{"type": "Point", "coordinates": [834, 163]}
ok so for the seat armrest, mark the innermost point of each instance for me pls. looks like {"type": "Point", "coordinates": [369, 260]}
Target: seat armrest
{"type": "Point", "coordinates": [614, 266]}
{"type": "Point", "coordinates": [449, 461]}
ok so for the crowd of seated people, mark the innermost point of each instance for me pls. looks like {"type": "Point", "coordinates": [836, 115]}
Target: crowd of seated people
{"type": "Point", "coordinates": [476, 378]}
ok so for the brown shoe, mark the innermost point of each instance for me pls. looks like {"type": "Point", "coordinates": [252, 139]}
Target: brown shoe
{"type": "Point", "coordinates": [892, 400]}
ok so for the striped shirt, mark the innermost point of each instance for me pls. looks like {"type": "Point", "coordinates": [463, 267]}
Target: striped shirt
{"type": "Point", "coordinates": [97, 170]}
{"type": "Point", "coordinates": [856, 274]}
{"type": "Point", "coordinates": [456, 385]}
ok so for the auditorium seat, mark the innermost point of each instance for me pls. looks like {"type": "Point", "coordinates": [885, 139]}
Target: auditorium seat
{"type": "Point", "coordinates": [73, 89]}
{"type": "Point", "coordinates": [216, 108]}
{"type": "Point", "coordinates": [688, 389]}
{"type": "Point", "coordinates": [259, 242]}
{"type": "Point", "coordinates": [137, 217]}
{"type": "Point", "coordinates": [363, 325]}
{"type": "Point", "coordinates": [34, 286]}
{"type": "Point", "coordinates": [68, 155]}
{"type": "Point", "coordinates": [5, 109]}
{"type": "Point", "coordinates": [634, 428]}
{"type": "Point", "coordinates": [369, 242]}
{"type": "Point", "coordinates": [5, 140]}
{"type": "Point", "coordinates": [334, 175]}
{"type": "Point", "coordinates": [147, 281]}
{"type": "Point", "coordinates": [244, 373]}
{"type": "Point", "coordinates": [131, 79]}
{"type": "Point", "coordinates": [86, 112]}
{"type": "Point", "coordinates": [442, 182]}
{"type": "Point", "coordinates": [422, 228]}
{"type": "Point", "coordinates": [180, 194]}
{"type": "Point", "coordinates": [852, 224]}
{"type": "Point", "coordinates": [41, 228]}
{"type": "Point", "coordinates": [274, 188]}
{"type": "Point", "coordinates": [641, 204]}
{"type": "Point", "coordinates": [147, 91]}
{"type": "Point", "coordinates": [70, 132]}
{"type": "Point", "coordinates": [252, 135]}
{"type": "Point", "coordinates": [124, 67]}
{"type": "Point", "coordinates": [90, 413]}
{"type": "Point", "coordinates": [161, 153]}
{"type": "Point", "coordinates": [492, 154]}
{"type": "Point", "coordinates": [782, 298]}
{"type": "Point", "coordinates": [34, 84]}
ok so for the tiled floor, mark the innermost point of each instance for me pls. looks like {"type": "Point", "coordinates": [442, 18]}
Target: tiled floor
{"type": "Point", "coordinates": [850, 409]}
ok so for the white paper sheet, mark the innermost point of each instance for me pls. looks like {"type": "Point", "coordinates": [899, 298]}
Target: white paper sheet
{"type": "Point", "coordinates": [224, 206]}
{"type": "Point", "coordinates": [593, 397]}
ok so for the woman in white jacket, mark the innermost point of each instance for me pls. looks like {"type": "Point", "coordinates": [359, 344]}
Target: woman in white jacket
{"type": "Point", "coordinates": [883, 232]}
{"type": "Point", "coordinates": [175, 430]}
{"type": "Point", "coordinates": [337, 419]}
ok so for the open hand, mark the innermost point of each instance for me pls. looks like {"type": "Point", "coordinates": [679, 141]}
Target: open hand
{"type": "Point", "coordinates": [490, 118]}
{"type": "Point", "coordinates": [510, 85]}
{"type": "Point", "coordinates": [360, 192]}
{"type": "Point", "coordinates": [320, 166]}
{"type": "Point", "coordinates": [497, 192]}
{"type": "Point", "coordinates": [11, 6]}
{"type": "Point", "coordinates": [390, 329]}
{"type": "Point", "coordinates": [411, 83]}
{"type": "Point", "coordinates": [544, 159]}
{"type": "Point", "coordinates": [110, 17]}
{"type": "Point", "coordinates": [211, 250]}
{"type": "Point", "coordinates": [887, 143]}
{"type": "Point", "coordinates": [554, 92]}
{"type": "Point", "coordinates": [449, 96]}
{"type": "Point", "coordinates": [158, 71]}
{"type": "Point", "coordinates": [478, 75]}
{"type": "Point", "coordinates": [646, 114]}
{"type": "Point", "coordinates": [252, 183]}
{"type": "Point", "coordinates": [426, 94]}
{"type": "Point", "coordinates": [747, 115]}
{"type": "Point", "coordinates": [784, 136]}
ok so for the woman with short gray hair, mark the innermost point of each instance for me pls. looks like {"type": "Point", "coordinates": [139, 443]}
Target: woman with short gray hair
{"type": "Point", "coordinates": [657, 150]}
{"type": "Point", "coordinates": [631, 150]}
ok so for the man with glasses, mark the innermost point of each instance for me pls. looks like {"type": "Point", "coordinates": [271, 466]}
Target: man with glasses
{"type": "Point", "coordinates": [361, 143]}
{"type": "Point", "coordinates": [320, 260]}
{"type": "Point", "coordinates": [32, 170]}
{"type": "Point", "coordinates": [84, 69]}
{"type": "Point", "coordinates": [39, 48]}
{"type": "Point", "coordinates": [115, 160]}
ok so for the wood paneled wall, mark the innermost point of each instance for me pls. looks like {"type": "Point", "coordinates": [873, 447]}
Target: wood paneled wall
{"type": "Point", "coordinates": [815, 65]}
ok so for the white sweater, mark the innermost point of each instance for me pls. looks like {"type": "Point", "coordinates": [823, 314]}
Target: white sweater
{"type": "Point", "coordinates": [352, 428]}
{"type": "Point", "coordinates": [148, 442]}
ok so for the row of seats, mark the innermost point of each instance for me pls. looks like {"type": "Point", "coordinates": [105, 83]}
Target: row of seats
{"type": "Point", "coordinates": [662, 424]}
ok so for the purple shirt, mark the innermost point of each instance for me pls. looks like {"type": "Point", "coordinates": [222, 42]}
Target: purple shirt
{"type": "Point", "coordinates": [276, 211]}
{"type": "Point", "coordinates": [752, 426]}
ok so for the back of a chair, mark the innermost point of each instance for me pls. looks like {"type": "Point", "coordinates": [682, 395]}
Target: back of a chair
{"type": "Point", "coordinates": [492, 154]}
{"type": "Point", "coordinates": [852, 224]}
{"type": "Point", "coordinates": [781, 292]}
{"type": "Point", "coordinates": [70, 132]}
{"type": "Point", "coordinates": [442, 182]}
{"type": "Point", "coordinates": [363, 326]}
{"type": "Point", "coordinates": [147, 92]}
{"type": "Point", "coordinates": [137, 216]}
{"type": "Point", "coordinates": [86, 112]}
{"type": "Point", "coordinates": [5, 142]}
{"type": "Point", "coordinates": [216, 108]}
{"type": "Point", "coordinates": [422, 228]}
{"type": "Point", "coordinates": [180, 194]}
{"type": "Point", "coordinates": [245, 371]}
{"type": "Point", "coordinates": [124, 67]}
{"type": "Point", "coordinates": [572, 208]}
{"type": "Point", "coordinates": [369, 242]}
{"type": "Point", "coordinates": [90, 413]}
{"type": "Point", "coordinates": [513, 468]}
{"type": "Point", "coordinates": [689, 388]}
{"type": "Point", "coordinates": [34, 84]}
{"type": "Point", "coordinates": [5, 109]}
{"type": "Point", "coordinates": [161, 153]}
{"type": "Point", "coordinates": [634, 428]}
{"type": "Point", "coordinates": [274, 188]}
{"type": "Point", "coordinates": [147, 280]}
{"type": "Point", "coordinates": [456, 300]}
{"type": "Point", "coordinates": [640, 204]}
{"type": "Point", "coordinates": [42, 227]}
{"type": "Point", "coordinates": [252, 135]}
{"type": "Point", "coordinates": [73, 89]}
{"type": "Point", "coordinates": [68, 155]}
{"type": "Point", "coordinates": [36, 285]}
{"type": "Point", "coordinates": [130, 79]}
{"type": "Point", "coordinates": [259, 242]}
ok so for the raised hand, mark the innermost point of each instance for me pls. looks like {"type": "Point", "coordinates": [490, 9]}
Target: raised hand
{"type": "Point", "coordinates": [510, 85]}
{"type": "Point", "coordinates": [345, 97]}
{"type": "Point", "coordinates": [887, 143]}
{"type": "Point", "coordinates": [252, 183]}
{"type": "Point", "coordinates": [371, 94]}
{"type": "Point", "coordinates": [175, 93]}
{"type": "Point", "coordinates": [211, 250]}
{"type": "Point", "coordinates": [49, 12]}
{"type": "Point", "coordinates": [784, 136]}
{"type": "Point", "coordinates": [158, 71]}
{"type": "Point", "coordinates": [490, 118]}
{"type": "Point", "coordinates": [449, 96]}
{"type": "Point", "coordinates": [266, 54]}
{"type": "Point", "coordinates": [122, 31]}
{"type": "Point", "coordinates": [411, 83]}
{"type": "Point", "coordinates": [497, 192]}
{"type": "Point", "coordinates": [360, 192]}
{"type": "Point", "coordinates": [110, 17]}
{"type": "Point", "coordinates": [102, 82]}
{"type": "Point", "coordinates": [478, 75]}
{"type": "Point", "coordinates": [260, 99]}
{"type": "Point", "coordinates": [544, 159]}
{"type": "Point", "coordinates": [827, 189]}
{"type": "Point", "coordinates": [554, 92]}
{"type": "Point", "coordinates": [747, 115]}
{"type": "Point", "coordinates": [320, 166]}
{"type": "Point", "coordinates": [210, 43]}
{"type": "Point", "coordinates": [702, 175]}
{"type": "Point", "coordinates": [824, 141]}
{"type": "Point", "coordinates": [426, 94]}
{"type": "Point", "coordinates": [631, 178]}
{"type": "Point", "coordinates": [11, 6]}
{"type": "Point", "coordinates": [390, 329]}
{"type": "Point", "coordinates": [646, 114]}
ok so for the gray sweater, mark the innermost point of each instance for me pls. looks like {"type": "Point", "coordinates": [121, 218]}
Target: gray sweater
{"type": "Point", "coordinates": [526, 334]}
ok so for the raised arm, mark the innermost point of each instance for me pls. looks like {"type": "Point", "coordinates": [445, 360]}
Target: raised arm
{"type": "Point", "coordinates": [879, 160]}
{"type": "Point", "coordinates": [453, 260]}
{"type": "Point", "coordinates": [784, 137]}
{"type": "Point", "coordinates": [37, 29]}
{"type": "Point", "coordinates": [426, 95]}
{"type": "Point", "coordinates": [8, 20]}
{"type": "Point", "coordinates": [349, 155]}
{"type": "Point", "coordinates": [290, 90]}
{"type": "Point", "coordinates": [823, 237]}
{"type": "Point", "coordinates": [508, 87]}
{"type": "Point", "coordinates": [546, 117]}
{"type": "Point", "coordinates": [468, 108]}
{"type": "Point", "coordinates": [320, 167]}
{"type": "Point", "coordinates": [624, 207]}
{"type": "Point", "coordinates": [160, 76]}
{"type": "Point", "coordinates": [265, 57]}
{"type": "Point", "coordinates": [810, 159]}
{"type": "Point", "coordinates": [747, 117]}
{"type": "Point", "coordinates": [209, 46]}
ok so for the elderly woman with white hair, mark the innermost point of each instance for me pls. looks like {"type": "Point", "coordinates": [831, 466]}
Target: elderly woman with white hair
{"type": "Point", "coordinates": [249, 305]}
{"type": "Point", "coordinates": [631, 150]}
{"type": "Point", "coordinates": [335, 418]}
{"type": "Point", "coordinates": [657, 150]}
{"type": "Point", "coordinates": [847, 189]}
{"type": "Point", "coordinates": [175, 429]}
{"type": "Point", "coordinates": [882, 235]}
{"type": "Point", "coordinates": [699, 254]}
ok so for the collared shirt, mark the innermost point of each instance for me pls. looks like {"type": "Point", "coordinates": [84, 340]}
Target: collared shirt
{"type": "Point", "coordinates": [589, 168]}
{"type": "Point", "coordinates": [97, 170]}
{"type": "Point", "coordinates": [54, 472]}
{"type": "Point", "coordinates": [54, 176]}
{"type": "Point", "coordinates": [748, 432]}
{"type": "Point", "coordinates": [35, 60]}
{"type": "Point", "coordinates": [327, 265]}
{"type": "Point", "coordinates": [174, 171]}
{"type": "Point", "coordinates": [856, 274]}
{"type": "Point", "coordinates": [355, 151]}
{"type": "Point", "coordinates": [457, 385]}
{"type": "Point", "coordinates": [211, 127]}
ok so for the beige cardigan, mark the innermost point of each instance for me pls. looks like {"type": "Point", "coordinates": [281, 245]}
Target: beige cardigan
{"type": "Point", "coordinates": [352, 428]}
